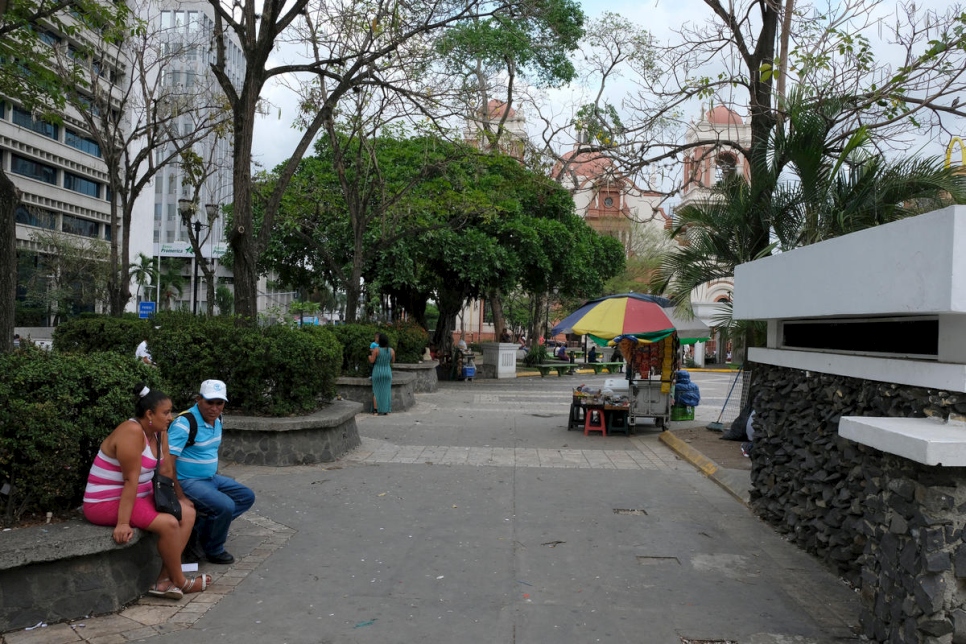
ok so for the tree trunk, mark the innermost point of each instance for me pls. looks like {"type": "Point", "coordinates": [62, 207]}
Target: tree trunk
{"type": "Point", "coordinates": [242, 235]}
{"type": "Point", "coordinates": [496, 305]}
{"type": "Point", "coordinates": [9, 198]}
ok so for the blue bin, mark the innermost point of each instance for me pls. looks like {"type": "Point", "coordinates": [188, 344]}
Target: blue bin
{"type": "Point", "coordinates": [469, 371]}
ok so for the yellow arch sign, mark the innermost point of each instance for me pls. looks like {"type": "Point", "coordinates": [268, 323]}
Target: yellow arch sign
{"type": "Point", "coordinates": [962, 152]}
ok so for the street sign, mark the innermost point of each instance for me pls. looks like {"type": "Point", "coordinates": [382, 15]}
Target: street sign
{"type": "Point", "coordinates": [146, 309]}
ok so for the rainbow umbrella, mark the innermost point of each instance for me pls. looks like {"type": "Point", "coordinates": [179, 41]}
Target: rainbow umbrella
{"type": "Point", "coordinates": [643, 316]}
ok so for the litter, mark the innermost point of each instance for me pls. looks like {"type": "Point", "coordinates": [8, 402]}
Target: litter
{"type": "Point", "coordinates": [365, 623]}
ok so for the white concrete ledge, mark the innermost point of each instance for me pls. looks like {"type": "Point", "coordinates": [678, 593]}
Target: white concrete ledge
{"type": "Point", "coordinates": [916, 373]}
{"type": "Point", "coordinates": [923, 440]}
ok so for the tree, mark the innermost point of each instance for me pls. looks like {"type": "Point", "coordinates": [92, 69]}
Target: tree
{"type": "Point", "coordinates": [352, 46]}
{"type": "Point", "coordinates": [73, 274]}
{"type": "Point", "coordinates": [170, 281]}
{"type": "Point", "coordinates": [829, 193]}
{"type": "Point", "coordinates": [26, 77]}
{"type": "Point", "coordinates": [145, 273]}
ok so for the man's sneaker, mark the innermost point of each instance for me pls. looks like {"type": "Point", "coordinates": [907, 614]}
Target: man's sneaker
{"type": "Point", "coordinates": [746, 449]}
{"type": "Point", "coordinates": [223, 558]}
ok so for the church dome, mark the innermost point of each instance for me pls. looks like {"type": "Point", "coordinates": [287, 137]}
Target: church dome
{"type": "Point", "coordinates": [722, 115]}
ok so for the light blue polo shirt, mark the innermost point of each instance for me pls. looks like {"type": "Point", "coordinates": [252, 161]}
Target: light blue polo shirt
{"type": "Point", "coordinates": [200, 461]}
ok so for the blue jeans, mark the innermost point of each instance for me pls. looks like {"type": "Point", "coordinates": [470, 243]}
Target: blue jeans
{"type": "Point", "coordinates": [219, 500]}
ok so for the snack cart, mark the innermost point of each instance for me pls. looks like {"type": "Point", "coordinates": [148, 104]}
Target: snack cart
{"type": "Point", "coordinates": [650, 377]}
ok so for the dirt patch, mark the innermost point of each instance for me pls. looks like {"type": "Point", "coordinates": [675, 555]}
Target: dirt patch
{"type": "Point", "coordinates": [722, 453]}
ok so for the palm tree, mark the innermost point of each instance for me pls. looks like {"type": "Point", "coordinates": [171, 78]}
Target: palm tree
{"type": "Point", "coordinates": [170, 282]}
{"type": "Point", "coordinates": [819, 188]}
{"type": "Point", "coordinates": [144, 273]}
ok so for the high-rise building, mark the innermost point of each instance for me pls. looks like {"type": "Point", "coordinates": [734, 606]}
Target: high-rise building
{"type": "Point", "coordinates": [60, 171]}
{"type": "Point", "coordinates": [162, 216]}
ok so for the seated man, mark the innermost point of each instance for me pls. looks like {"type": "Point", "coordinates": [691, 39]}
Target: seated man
{"type": "Point", "coordinates": [193, 440]}
{"type": "Point", "coordinates": [592, 354]}
{"type": "Point", "coordinates": [561, 353]}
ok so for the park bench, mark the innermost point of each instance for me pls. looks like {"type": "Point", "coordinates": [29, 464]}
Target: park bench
{"type": "Point", "coordinates": [563, 367]}
{"type": "Point", "coordinates": [610, 367]}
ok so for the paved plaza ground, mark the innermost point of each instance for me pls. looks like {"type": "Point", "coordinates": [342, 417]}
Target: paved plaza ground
{"type": "Point", "coordinates": [477, 517]}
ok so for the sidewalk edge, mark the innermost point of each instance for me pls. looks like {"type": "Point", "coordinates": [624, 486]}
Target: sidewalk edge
{"type": "Point", "coordinates": [704, 464]}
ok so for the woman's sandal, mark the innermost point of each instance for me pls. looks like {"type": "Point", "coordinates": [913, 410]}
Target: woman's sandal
{"type": "Point", "coordinates": [189, 583]}
{"type": "Point", "coordinates": [171, 592]}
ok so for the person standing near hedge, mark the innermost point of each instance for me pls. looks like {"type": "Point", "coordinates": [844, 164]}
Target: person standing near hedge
{"type": "Point", "coordinates": [218, 499]}
{"type": "Point", "coordinates": [381, 359]}
{"type": "Point", "coordinates": [119, 491]}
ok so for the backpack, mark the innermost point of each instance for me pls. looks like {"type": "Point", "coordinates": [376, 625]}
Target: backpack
{"type": "Point", "coordinates": [192, 427]}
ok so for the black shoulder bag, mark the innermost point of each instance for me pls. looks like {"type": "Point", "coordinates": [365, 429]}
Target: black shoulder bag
{"type": "Point", "coordinates": [165, 497]}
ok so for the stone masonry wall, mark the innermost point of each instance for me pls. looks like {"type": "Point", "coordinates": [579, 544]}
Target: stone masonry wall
{"type": "Point", "coordinates": [891, 527]}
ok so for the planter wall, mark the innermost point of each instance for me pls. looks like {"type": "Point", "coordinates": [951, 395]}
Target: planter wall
{"type": "Point", "coordinates": [65, 571]}
{"type": "Point", "coordinates": [321, 437]}
{"type": "Point", "coordinates": [891, 527]}
{"type": "Point", "coordinates": [425, 372]}
{"type": "Point", "coordinates": [360, 390]}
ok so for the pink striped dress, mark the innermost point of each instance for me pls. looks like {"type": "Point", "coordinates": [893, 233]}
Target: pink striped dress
{"type": "Point", "coordinates": [105, 481]}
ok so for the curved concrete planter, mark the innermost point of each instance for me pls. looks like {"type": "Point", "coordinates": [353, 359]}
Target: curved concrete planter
{"type": "Point", "coordinates": [426, 380]}
{"type": "Point", "coordinates": [321, 437]}
{"type": "Point", "coordinates": [64, 571]}
{"type": "Point", "coordinates": [360, 390]}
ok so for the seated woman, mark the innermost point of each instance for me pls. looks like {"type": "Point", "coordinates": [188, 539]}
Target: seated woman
{"type": "Point", "coordinates": [561, 353]}
{"type": "Point", "coordinates": [119, 491]}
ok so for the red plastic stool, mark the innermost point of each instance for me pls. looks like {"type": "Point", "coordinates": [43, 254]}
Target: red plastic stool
{"type": "Point", "coordinates": [594, 421]}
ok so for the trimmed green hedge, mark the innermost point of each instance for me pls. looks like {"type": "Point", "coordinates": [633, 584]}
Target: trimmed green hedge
{"type": "Point", "coordinates": [101, 333]}
{"type": "Point", "coordinates": [55, 409]}
{"type": "Point", "coordinates": [271, 371]}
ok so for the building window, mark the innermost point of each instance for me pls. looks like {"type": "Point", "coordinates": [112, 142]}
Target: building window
{"type": "Point", "coordinates": [39, 217]}
{"type": "Point", "coordinates": [33, 169]}
{"type": "Point", "coordinates": [78, 226]}
{"type": "Point", "coordinates": [82, 143]}
{"type": "Point", "coordinates": [24, 119]}
{"type": "Point", "coordinates": [608, 202]}
{"type": "Point", "coordinates": [81, 185]}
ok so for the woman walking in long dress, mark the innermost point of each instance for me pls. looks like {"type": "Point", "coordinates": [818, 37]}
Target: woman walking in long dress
{"type": "Point", "coordinates": [381, 359]}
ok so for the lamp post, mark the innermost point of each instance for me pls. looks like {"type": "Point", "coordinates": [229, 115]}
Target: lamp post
{"type": "Point", "coordinates": [194, 304]}
{"type": "Point", "coordinates": [187, 208]}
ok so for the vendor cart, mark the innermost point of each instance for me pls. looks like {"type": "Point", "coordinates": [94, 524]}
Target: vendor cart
{"type": "Point", "coordinates": [650, 371]}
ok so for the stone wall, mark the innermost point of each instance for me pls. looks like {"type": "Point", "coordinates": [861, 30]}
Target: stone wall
{"type": "Point", "coordinates": [427, 381]}
{"type": "Point", "coordinates": [891, 527]}
{"type": "Point", "coordinates": [321, 437]}
{"type": "Point", "coordinates": [63, 571]}
{"type": "Point", "coordinates": [360, 390]}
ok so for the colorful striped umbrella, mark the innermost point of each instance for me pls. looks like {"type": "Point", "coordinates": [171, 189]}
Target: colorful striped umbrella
{"type": "Point", "coordinates": [624, 314]}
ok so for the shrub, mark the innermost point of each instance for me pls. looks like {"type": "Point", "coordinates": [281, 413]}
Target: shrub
{"type": "Point", "coordinates": [274, 370]}
{"type": "Point", "coordinates": [355, 340]}
{"type": "Point", "coordinates": [55, 409]}
{"type": "Point", "coordinates": [410, 342]}
{"type": "Point", "coordinates": [90, 334]}
{"type": "Point", "coordinates": [537, 354]}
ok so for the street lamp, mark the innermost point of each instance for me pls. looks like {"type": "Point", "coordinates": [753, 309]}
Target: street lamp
{"type": "Point", "coordinates": [187, 208]}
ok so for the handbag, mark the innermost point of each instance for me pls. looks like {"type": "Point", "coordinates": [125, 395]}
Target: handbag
{"type": "Point", "coordinates": [165, 497]}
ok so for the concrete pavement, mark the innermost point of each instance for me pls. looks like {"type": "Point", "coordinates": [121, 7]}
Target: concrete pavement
{"type": "Point", "coordinates": [477, 517]}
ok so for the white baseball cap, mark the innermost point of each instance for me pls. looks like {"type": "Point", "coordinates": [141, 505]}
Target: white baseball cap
{"type": "Point", "coordinates": [213, 389]}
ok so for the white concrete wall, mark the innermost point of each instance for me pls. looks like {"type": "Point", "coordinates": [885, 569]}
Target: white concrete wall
{"type": "Point", "coordinates": [907, 267]}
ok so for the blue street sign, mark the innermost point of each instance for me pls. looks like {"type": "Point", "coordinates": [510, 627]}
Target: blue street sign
{"type": "Point", "coordinates": [146, 309]}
